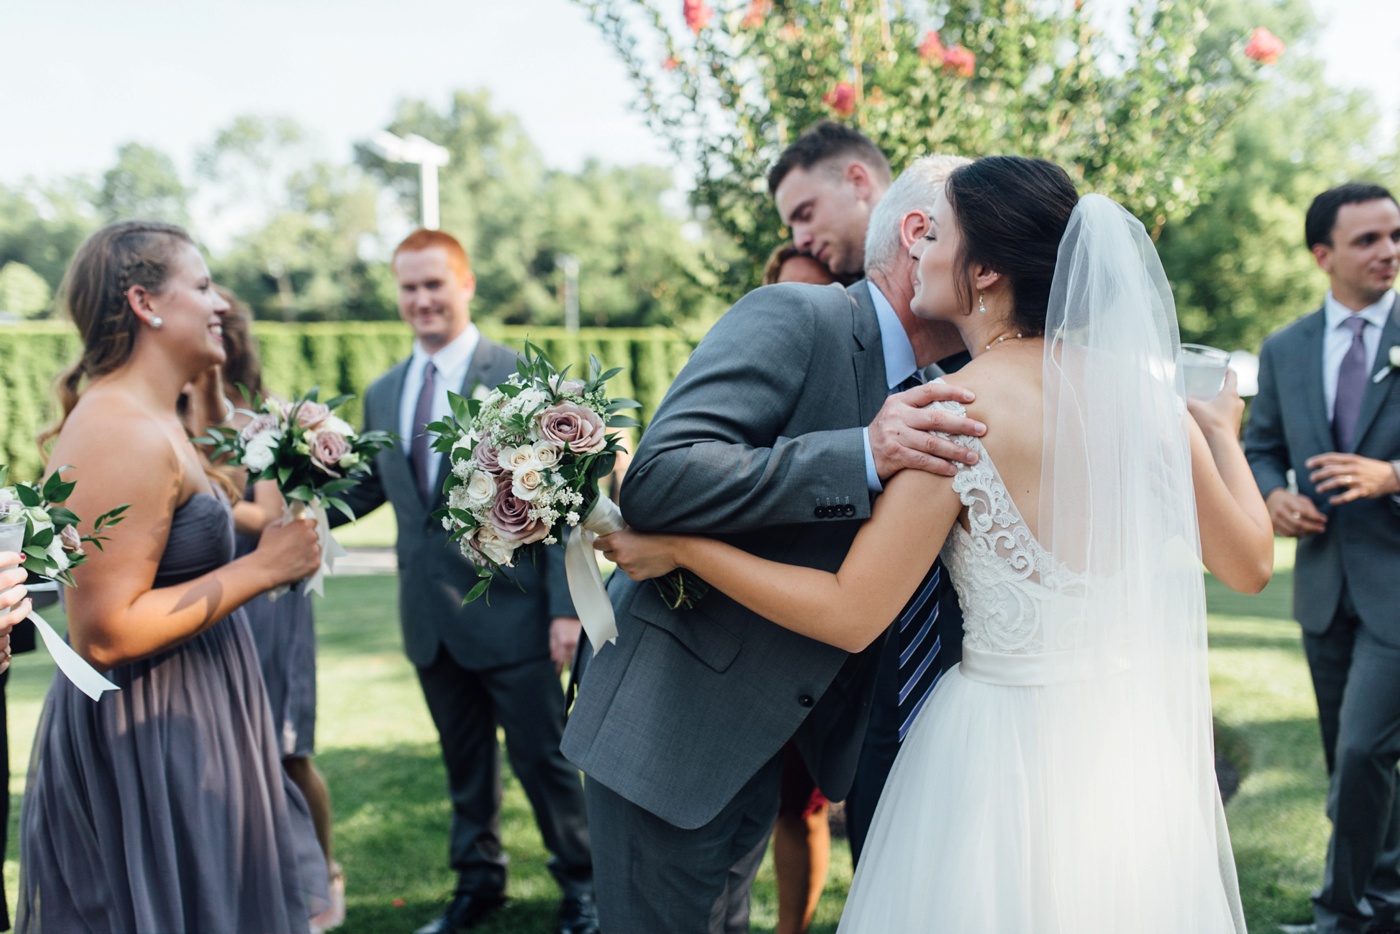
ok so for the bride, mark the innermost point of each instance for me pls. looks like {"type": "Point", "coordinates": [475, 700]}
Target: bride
{"type": "Point", "coordinates": [1060, 780]}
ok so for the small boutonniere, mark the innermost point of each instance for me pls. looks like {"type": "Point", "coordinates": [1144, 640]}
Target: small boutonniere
{"type": "Point", "coordinates": [1392, 364]}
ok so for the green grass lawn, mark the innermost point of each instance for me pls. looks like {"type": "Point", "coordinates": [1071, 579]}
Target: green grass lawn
{"type": "Point", "coordinates": [379, 753]}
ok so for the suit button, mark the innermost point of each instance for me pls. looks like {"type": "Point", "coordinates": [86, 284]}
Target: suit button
{"type": "Point", "coordinates": [850, 510]}
{"type": "Point", "coordinates": [806, 700]}
{"type": "Point", "coordinates": [819, 512]}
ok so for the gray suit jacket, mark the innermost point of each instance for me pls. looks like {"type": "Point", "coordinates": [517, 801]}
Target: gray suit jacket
{"type": "Point", "coordinates": [757, 443]}
{"type": "Point", "coordinates": [433, 574]}
{"type": "Point", "coordinates": [1288, 424]}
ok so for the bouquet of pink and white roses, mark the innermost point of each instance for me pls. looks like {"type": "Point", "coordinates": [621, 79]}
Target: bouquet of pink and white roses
{"type": "Point", "coordinates": [310, 452]}
{"type": "Point", "coordinates": [35, 523]}
{"type": "Point", "coordinates": [527, 458]}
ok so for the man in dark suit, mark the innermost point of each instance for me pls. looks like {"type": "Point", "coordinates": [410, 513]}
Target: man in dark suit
{"type": "Point", "coordinates": [1329, 410]}
{"type": "Point", "coordinates": [765, 439]}
{"type": "Point", "coordinates": [830, 187]}
{"type": "Point", "coordinates": [481, 666]}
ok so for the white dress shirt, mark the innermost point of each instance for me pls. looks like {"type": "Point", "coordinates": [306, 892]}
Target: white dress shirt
{"type": "Point", "coordinates": [1337, 339]}
{"type": "Point", "coordinates": [451, 362]}
{"type": "Point", "coordinates": [900, 364]}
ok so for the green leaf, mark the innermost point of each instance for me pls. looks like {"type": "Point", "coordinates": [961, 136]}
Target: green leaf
{"type": "Point", "coordinates": [477, 591]}
{"type": "Point", "coordinates": [28, 495]}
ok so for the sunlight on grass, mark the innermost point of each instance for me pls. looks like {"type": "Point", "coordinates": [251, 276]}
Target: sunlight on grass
{"type": "Point", "coordinates": [378, 750]}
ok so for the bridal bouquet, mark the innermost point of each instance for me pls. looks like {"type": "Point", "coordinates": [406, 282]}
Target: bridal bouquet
{"type": "Point", "coordinates": [527, 458]}
{"type": "Point", "coordinates": [35, 523]}
{"type": "Point", "coordinates": [311, 453]}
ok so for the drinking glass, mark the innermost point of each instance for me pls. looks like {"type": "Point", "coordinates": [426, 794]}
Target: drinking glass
{"type": "Point", "coordinates": [1203, 370]}
{"type": "Point", "coordinates": [11, 525]}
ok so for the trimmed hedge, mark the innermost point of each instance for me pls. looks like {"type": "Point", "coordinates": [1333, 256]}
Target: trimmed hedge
{"type": "Point", "coordinates": [338, 357]}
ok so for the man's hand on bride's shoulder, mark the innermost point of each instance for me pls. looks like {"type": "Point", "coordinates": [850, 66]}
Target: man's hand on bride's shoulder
{"type": "Point", "coordinates": [640, 555]}
{"type": "Point", "coordinates": [903, 434]}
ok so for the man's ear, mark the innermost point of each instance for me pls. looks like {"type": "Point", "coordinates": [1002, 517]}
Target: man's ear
{"type": "Point", "coordinates": [469, 285]}
{"type": "Point", "coordinates": [858, 177]}
{"type": "Point", "coordinates": [1323, 254]}
{"type": "Point", "coordinates": [912, 226]}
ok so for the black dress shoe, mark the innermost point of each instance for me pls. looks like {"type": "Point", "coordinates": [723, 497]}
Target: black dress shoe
{"type": "Point", "coordinates": [578, 914]}
{"type": "Point", "coordinates": [464, 912]}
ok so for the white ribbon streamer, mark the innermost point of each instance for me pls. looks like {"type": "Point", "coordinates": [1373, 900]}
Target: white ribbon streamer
{"type": "Point", "coordinates": [330, 549]}
{"type": "Point", "coordinates": [585, 580]}
{"type": "Point", "coordinates": [71, 663]}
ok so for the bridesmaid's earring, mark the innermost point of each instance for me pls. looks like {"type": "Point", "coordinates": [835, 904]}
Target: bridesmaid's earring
{"type": "Point", "coordinates": [156, 322]}
{"type": "Point", "coordinates": [981, 305]}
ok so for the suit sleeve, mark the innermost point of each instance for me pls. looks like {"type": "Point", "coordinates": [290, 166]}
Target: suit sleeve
{"type": "Point", "coordinates": [713, 460]}
{"type": "Point", "coordinates": [556, 582]}
{"type": "Point", "coordinates": [1265, 446]}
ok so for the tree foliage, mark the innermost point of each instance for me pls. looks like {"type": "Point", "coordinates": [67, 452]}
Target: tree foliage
{"type": "Point", "coordinates": [1131, 112]}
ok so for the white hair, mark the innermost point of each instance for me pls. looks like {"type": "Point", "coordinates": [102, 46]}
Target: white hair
{"type": "Point", "coordinates": [916, 189]}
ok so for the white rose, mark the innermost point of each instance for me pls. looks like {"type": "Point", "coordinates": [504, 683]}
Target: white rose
{"type": "Point", "coordinates": [547, 453]}
{"type": "Point", "coordinates": [481, 393]}
{"type": "Point", "coordinates": [257, 455]}
{"type": "Point", "coordinates": [526, 484]}
{"type": "Point", "coordinates": [338, 425]}
{"type": "Point", "coordinates": [1395, 356]}
{"type": "Point", "coordinates": [495, 548]}
{"type": "Point", "coordinates": [39, 519]}
{"type": "Point", "coordinates": [516, 459]}
{"type": "Point", "coordinates": [480, 489]}
{"type": "Point", "coordinates": [57, 556]}
{"type": "Point", "coordinates": [531, 399]}
{"type": "Point", "coordinates": [7, 494]}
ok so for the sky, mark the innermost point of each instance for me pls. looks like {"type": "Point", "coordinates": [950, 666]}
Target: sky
{"type": "Point", "coordinates": [80, 77]}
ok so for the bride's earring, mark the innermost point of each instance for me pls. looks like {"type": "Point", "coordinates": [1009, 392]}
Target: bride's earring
{"type": "Point", "coordinates": [981, 305]}
{"type": "Point", "coordinates": [156, 322]}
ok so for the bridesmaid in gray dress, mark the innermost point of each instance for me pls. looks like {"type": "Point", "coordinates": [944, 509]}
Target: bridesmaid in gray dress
{"type": "Point", "coordinates": [163, 807]}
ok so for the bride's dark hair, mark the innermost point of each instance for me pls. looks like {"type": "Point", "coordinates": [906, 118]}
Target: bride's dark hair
{"type": "Point", "coordinates": [1012, 213]}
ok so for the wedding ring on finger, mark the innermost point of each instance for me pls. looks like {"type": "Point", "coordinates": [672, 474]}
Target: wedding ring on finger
{"type": "Point", "coordinates": [1297, 515]}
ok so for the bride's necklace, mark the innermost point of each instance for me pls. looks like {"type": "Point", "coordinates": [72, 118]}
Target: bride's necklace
{"type": "Point", "coordinates": [1004, 337]}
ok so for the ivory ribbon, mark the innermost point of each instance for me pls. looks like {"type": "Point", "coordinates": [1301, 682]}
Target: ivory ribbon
{"type": "Point", "coordinates": [585, 580]}
{"type": "Point", "coordinates": [71, 663]}
{"type": "Point", "coordinates": [330, 549]}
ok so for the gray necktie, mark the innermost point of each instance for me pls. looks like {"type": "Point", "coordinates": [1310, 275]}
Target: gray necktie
{"type": "Point", "coordinates": [419, 453]}
{"type": "Point", "coordinates": [1351, 386]}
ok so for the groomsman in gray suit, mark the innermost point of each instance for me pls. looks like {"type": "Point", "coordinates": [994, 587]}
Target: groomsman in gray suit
{"type": "Point", "coordinates": [1329, 410]}
{"type": "Point", "coordinates": [481, 666]}
{"type": "Point", "coordinates": [768, 439]}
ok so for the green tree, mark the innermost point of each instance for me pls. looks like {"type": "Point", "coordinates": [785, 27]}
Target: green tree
{"type": "Point", "coordinates": [1133, 116]}
{"type": "Point", "coordinates": [143, 184]}
{"type": "Point", "coordinates": [24, 292]}
{"type": "Point", "coordinates": [43, 223]}
{"type": "Point", "coordinates": [515, 216]}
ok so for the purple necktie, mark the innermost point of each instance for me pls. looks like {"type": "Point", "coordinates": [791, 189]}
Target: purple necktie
{"type": "Point", "coordinates": [1351, 386]}
{"type": "Point", "coordinates": [419, 453]}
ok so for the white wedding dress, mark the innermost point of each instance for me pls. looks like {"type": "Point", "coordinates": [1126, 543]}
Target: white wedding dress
{"type": "Point", "coordinates": [1040, 790]}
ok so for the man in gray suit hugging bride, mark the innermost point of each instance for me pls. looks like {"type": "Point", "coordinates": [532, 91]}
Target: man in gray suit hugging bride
{"type": "Point", "coordinates": [767, 439]}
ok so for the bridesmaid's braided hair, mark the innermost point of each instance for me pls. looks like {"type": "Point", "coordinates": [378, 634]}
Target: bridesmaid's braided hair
{"type": "Point", "coordinates": [95, 294]}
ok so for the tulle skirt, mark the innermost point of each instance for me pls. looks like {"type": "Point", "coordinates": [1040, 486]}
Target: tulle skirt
{"type": "Point", "coordinates": [1044, 809]}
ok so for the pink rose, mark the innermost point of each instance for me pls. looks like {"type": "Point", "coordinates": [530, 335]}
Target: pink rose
{"type": "Point", "coordinates": [841, 98]}
{"type": "Point", "coordinates": [72, 541]}
{"type": "Point", "coordinates": [697, 15]}
{"type": "Point", "coordinates": [487, 456]}
{"type": "Point", "coordinates": [931, 49]}
{"type": "Point", "coordinates": [1264, 47]}
{"type": "Point", "coordinates": [264, 422]}
{"type": "Point", "coordinates": [312, 414]}
{"type": "Point", "coordinates": [572, 424]}
{"type": "Point", "coordinates": [327, 448]}
{"type": "Point", "coordinates": [511, 516]}
{"type": "Point", "coordinates": [571, 386]}
{"type": "Point", "coordinates": [959, 61]}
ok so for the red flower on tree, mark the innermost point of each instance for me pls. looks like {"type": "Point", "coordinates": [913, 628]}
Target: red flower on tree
{"type": "Point", "coordinates": [758, 12]}
{"type": "Point", "coordinates": [1264, 47]}
{"type": "Point", "coordinates": [841, 98]}
{"type": "Point", "coordinates": [931, 49]}
{"type": "Point", "coordinates": [670, 64]}
{"type": "Point", "coordinates": [697, 15]}
{"type": "Point", "coordinates": [959, 61]}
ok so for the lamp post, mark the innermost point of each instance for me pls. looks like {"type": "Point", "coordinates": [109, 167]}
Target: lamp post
{"type": "Point", "coordinates": [568, 264]}
{"type": "Point", "coordinates": [427, 155]}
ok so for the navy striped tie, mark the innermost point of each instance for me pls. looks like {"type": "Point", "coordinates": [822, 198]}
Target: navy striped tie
{"type": "Point", "coordinates": [919, 644]}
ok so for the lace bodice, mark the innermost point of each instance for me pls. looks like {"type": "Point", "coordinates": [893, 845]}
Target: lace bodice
{"type": "Point", "coordinates": [1003, 576]}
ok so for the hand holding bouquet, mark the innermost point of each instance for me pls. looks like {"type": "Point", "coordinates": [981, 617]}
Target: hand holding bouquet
{"type": "Point", "coordinates": [35, 523]}
{"type": "Point", "coordinates": [527, 458]}
{"type": "Point", "coordinates": [311, 453]}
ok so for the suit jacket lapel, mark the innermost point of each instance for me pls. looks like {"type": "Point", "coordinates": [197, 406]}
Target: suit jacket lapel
{"type": "Point", "coordinates": [869, 358]}
{"type": "Point", "coordinates": [1376, 393]}
{"type": "Point", "coordinates": [385, 416]}
{"type": "Point", "coordinates": [1311, 336]}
